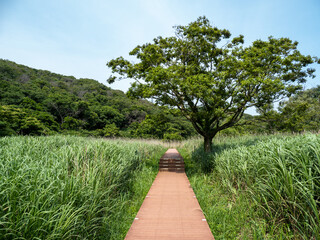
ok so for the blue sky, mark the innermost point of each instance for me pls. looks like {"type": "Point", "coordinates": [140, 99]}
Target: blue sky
{"type": "Point", "coordinates": [78, 37]}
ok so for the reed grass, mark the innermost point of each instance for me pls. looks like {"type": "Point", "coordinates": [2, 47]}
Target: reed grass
{"type": "Point", "coordinates": [276, 176]}
{"type": "Point", "coordinates": [71, 187]}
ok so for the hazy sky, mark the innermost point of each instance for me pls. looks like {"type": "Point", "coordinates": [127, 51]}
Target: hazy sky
{"type": "Point", "coordinates": [78, 37]}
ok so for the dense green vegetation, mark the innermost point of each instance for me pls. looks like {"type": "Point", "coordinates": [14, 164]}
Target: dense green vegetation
{"type": "Point", "coordinates": [37, 102]}
{"type": "Point", "coordinates": [249, 186]}
{"type": "Point", "coordinates": [213, 78]}
{"type": "Point", "coordinates": [72, 187]}
{"type": "Point", "coordinates": [258, 187]}
{"type": "Point", "coordinates": [252, 187]}
{"type": "Point", "coordinates": [299, 113]}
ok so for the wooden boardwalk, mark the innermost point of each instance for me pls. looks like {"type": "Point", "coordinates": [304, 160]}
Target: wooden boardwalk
{"type": "Point", "coordinates": [171, 209]}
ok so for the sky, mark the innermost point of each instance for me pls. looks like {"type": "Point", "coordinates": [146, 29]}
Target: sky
{"type": "Point", "coordinates": [78, 37]}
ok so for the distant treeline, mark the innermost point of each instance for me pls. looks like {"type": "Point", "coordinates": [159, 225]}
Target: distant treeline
{"type": "Point", "coordinates": [38, 102]}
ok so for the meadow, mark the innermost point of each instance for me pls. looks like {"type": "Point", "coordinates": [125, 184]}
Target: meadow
{"type": "Point", "coordinates": [72, 187]}
{"type": "Point", "coordinates": [250, 187]}
{"type": "Point", "coordinates": [258, 187]}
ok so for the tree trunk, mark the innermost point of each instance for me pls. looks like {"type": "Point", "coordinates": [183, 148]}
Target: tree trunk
{"type": "Point", "coordinates": [207, 143]}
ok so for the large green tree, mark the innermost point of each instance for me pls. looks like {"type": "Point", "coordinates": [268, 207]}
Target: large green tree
{"type": "Point", "coordinates": [212, 78]}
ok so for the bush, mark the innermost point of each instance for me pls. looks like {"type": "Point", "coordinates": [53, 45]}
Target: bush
{"type": "Point", "coordinates": [110, 130]}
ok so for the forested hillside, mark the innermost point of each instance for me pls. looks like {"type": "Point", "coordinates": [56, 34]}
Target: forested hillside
{"type": "Point", "coordinates": [38, 102]}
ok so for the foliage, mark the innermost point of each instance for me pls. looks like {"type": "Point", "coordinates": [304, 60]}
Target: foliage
{"type": "Point", "coordinates": [162, 126]}
{"type": "Point", "coordinates": [211, 79]}
{"type": "Point", "coordinates": [71, 123]}
{"type": "Point", "coordinates": [111, 130]}
{"type": "Point", "coordinates": [301, 112]}
{"type": "Point", "coordinates": [20, 122]}
{"type": "Point", "coordinates": [278, 176]}
{"type": "Point", "coordinates": [5, 129]}
{"type": "Point", "coordinates": [41, 102]}
{"type": "Point", "coordinates": [71, 187]}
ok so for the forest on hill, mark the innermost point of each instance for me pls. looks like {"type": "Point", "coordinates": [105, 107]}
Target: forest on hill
{"type": "Point", "coordinates": [38, 102]}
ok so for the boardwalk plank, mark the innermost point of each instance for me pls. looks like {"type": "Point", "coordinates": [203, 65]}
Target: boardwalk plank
{"type": "Point", "coordinates": [170, 210]}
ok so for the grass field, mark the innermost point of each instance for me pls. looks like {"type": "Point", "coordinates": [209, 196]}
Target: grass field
{"type": "Point", "coordinates": [72, 187]}
{"type": "Point", "coordinates": [250, 187]}
{"type": "Point", "coordinates": [258, 187]}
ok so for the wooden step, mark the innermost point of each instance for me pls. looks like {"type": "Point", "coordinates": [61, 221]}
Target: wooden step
{"type": "Point", "coordinates": [172, 159]}
{"type": "Point", "coordinates": [177, 161]}
{"type": "Point", "coordinates": [171, 162]}
{"type": "Point", "coordinates": [171, 165]}
{"type": "Point", "coordinates": [171, 170]}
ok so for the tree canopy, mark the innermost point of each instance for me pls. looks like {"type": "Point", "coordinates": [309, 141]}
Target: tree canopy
{"type": "Point", "coordinates": [211, 77]}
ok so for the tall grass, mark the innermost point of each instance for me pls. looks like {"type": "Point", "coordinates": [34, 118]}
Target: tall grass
{"type": "Point", "coordinates": [68, 187]}
{"type": "Point", "coordinates": [278, 176]}
{"type": "Point", "coordinates": [283, 176]}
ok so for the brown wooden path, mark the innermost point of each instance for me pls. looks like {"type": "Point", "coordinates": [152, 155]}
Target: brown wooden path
{"type": "Point", "coordinates": [170, 209]}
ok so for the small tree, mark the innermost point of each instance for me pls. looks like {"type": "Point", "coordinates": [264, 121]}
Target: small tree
{"type": "Point", "coordinates": [211, 79]}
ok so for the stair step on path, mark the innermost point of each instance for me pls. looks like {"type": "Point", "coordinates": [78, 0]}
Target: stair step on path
{"type": "Point", "coordinates": [170, 210]}
{"type": "Point", "coordinates": [171, 161]}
